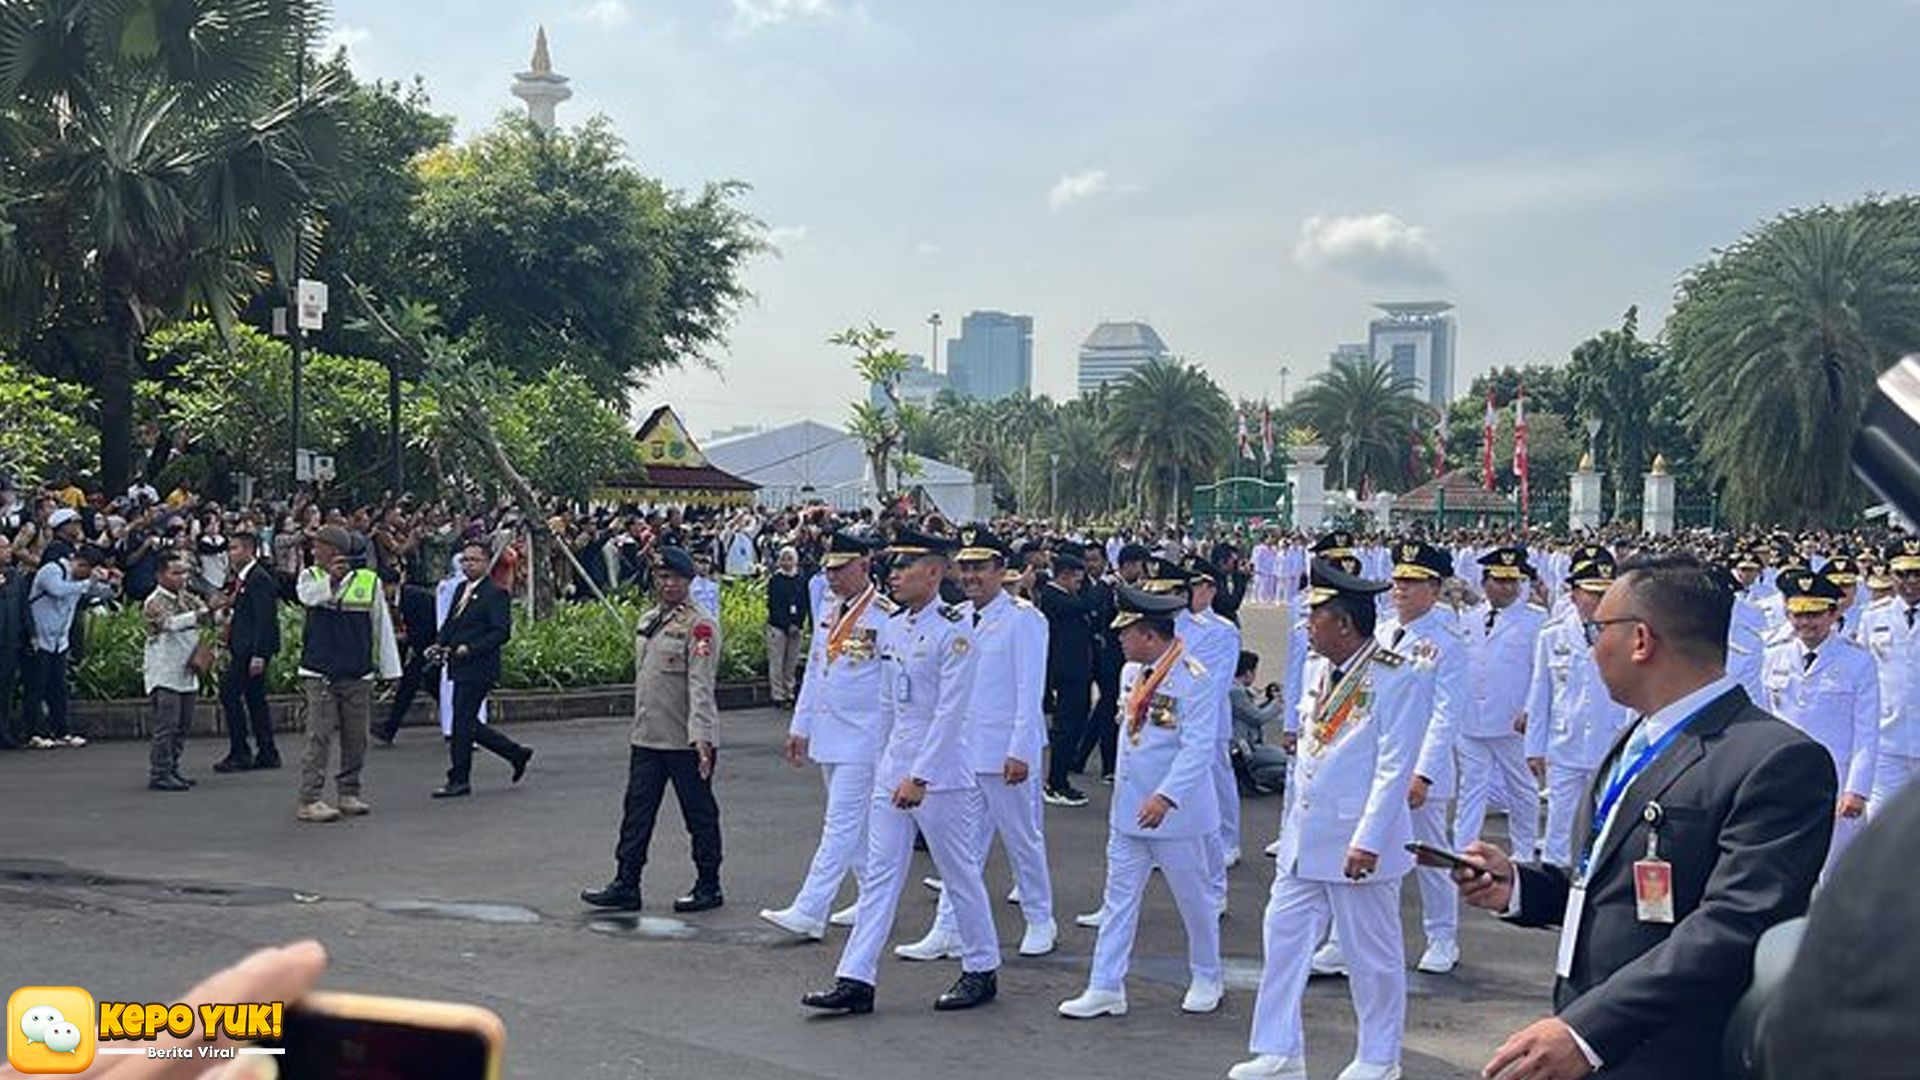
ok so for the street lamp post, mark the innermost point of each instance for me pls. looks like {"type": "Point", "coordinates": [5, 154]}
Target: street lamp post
{"type": "Point", "coordinates": [1053, 492]}
{"type": "Point", "coordinates": [1284, 372]}
{"type": "Point", "coordinates": [933, 356]}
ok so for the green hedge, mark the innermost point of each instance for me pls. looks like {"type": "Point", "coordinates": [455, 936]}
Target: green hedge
{"type": "Point", "coordinates": [579, 645]}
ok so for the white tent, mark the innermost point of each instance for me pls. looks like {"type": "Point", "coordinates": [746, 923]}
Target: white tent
{"type": "Point", "coordinates": [808, 461]}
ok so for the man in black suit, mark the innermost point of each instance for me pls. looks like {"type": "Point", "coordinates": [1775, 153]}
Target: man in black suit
{"type": "Point", "coordinates": [1708, 823]}
{"type": "Point", "coordinates": [1069, 614]}
{"type": "Point", "coordinates": [477, 626]}
{"type": "Point", "coordinates": [415, 631]}
{"type": "Point", "coordinates": [253, 637]}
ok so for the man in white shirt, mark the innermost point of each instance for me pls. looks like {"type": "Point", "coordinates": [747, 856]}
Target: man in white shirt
{"type": "Point", "coordinates": [1891, 632]}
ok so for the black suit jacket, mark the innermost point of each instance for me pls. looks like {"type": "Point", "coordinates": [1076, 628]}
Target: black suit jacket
{"type": "Point", "coordinates": [255, 629]}
{"type": "Point", "coordinates": [1069, 634]}
{"type": "Point", "coordinates": [1746, 807]}
{"type": "Point", "coordinates": [419, 617]}
{"type": "Point", "coordinates": [483, 624]}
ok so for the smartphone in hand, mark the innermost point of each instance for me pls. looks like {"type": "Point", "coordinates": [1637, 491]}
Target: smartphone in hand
{"type": "Point", "coordinates": [1440, 858]}
{"type": "Point", "coordinates": [332, 1036]}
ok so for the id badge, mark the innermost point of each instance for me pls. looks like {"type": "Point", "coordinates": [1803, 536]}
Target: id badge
{"type": "Point", "coordinates": [1653, 885]}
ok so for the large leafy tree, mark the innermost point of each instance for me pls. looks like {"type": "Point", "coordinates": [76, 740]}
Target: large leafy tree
{"type": "Point", "coordinates": [152, 157]}
{"type": "Point", "coordinates": [540, 248]}
{"type": "Point", "coordinates": [1168, 424]}
{"type": "Point", "coordinates": [1614, 377]}
{"type": "Point", "coordinates": [1779, 339]}
{"type": "Point", "coordinates": [46, 434]}
{"type": "Point", "coordinates": [1370, 420]}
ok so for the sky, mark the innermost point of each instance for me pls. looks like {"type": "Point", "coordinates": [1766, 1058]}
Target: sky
{"type": "Point", "coordinates": [1249, 177]}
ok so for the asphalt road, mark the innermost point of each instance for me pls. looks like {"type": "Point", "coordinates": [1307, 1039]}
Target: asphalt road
{"type": "Point", "coordinates": [136, 894]}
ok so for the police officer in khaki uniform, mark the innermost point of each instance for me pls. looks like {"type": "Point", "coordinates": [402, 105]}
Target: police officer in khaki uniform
{"type": "Point", "coordinates": [675, 729]}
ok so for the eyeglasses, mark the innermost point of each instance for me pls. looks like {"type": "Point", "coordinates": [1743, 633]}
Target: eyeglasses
{"type": "Point", "coordinates": [1595, 627]}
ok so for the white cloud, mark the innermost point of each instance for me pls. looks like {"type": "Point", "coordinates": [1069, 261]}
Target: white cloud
{"type": "Point", "coordinates": [928, 248]}
{"type": "Point", "coordinates": [783, 236]}
{"type": "Point", "coordinates": [607, 14]}
{"type": "Point", "coordinates": [343, 37]}
{"type": "Point", "coordinates": [754, 14]}
{"type": "Point", "coordinates": [1075, 187]}
{"type": "Point", "coordinates": [1374, 248]}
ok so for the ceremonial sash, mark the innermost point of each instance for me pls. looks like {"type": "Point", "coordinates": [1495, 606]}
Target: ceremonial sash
{"type": "Point", "coordinates": [1332, 712]}
{"type": "Point", "coordinates": [1143, 690]}
{"type": "Point", "coordinates": [837, 637]}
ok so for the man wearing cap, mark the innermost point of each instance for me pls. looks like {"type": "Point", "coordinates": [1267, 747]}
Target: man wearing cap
{"type": "Point", "coordinates": [922, 781]}
{"type": "Point", "coordinates": [1343, 840]}
{"type": "Point", "coordinates": [1070, 644]}
{"type": "Point", "coordinates": [347, 641]}
{"type": "Point", "coordinates": [676, 732]}
{"type": "Point", "coordinates": [1429, 635]}
{"type": "Point", "coordinates": [1215, 643]}
{"type": "Point", "coordinates": [1493, 756]}
{"type": "Point", "coordinates": [1891, 632]}
{"type": "Point", "coordinates": [1571, 721]}
{"type": "Point", "coordinates": [1004, 738]}
{"type": "Point", "coordinates": [1747, 626]}
{"type": "Point", "coordinates": [1826, 686]}
{"type": "Point", "coordinates": [837, 724]}
{"type": "Point", "coordinates": [1162, 810]}
{"type": "Point", "coordinates": [1107, 662]}
{"type": "Point", "coordinates": [1844, 570]}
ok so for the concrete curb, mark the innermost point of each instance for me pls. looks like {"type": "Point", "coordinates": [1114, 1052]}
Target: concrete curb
{"type": "Point", "coordinates": [128, 718]}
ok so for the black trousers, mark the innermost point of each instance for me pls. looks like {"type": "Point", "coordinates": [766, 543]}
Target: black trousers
{"type": "Point", "coordinates": [467, 730]}
{"type": "Point", "coordinates": [46, 690]}
{"type": "Point", "coordinates": [243, 704]}
{"type": "Point", "coordinates": [411, 677]}
{"type": "Point", "coordinates": [12, 732]}
{"type": "Point", "coordinates": [648, 773]}
{"type": "Point", "coordinates": [1072, 698]}
{"type": "Point", "coordinates": [1103, 726]}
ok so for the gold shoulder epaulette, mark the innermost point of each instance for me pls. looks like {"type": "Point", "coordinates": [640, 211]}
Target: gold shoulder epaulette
{"type": "Point", "coordinates": [1194, 667]}
{"type": "Point", "coordinates": [886, 604]}
{"type": "Point", "coordinates": [1388, 658]}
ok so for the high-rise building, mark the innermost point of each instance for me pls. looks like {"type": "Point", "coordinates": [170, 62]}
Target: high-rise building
{"type": "Point", "coordinates": [1114, 350]}
{"type": "Point", "coordinates": [1355, 353]}
{"type": "Point", "coordinates": [993, 356]}
{"type": "Point", "coordinates": [918, 385]}
{"type": "Point", "coordinates": [1417, 341]}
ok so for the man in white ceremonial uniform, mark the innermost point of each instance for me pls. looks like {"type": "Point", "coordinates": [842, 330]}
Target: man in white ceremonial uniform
{"type": "Point", "coordinates": [1827, 686]}
{"type": "Point", "coordinates": [1572, 722]}
{"type": "Point", "coordinates": [1747, 627]}
{"type": "Point", "coordinates": [1163, 807]}
{"type": "Point", "coordinates": [1493, 756]}
{"type": "Point", "coordinates": [922, 781]}
{"type": "Point", "coordinates": [1216, 645]}
{"type": "Point", "coordinates": [1343, 842]}
{"type": "Point", "coordinates": [1428, 633]}
{"type": "Point", "coordinates": [1005, 735]}
{"type": "Point", "coordinates": [837, 724]}
{"type": "Point", "coordinates": [1266, 570]}
{"type": "Point", "coordinates": [1891, 632]}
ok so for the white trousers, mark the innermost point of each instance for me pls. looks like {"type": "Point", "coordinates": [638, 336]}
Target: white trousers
{"type": "Point", "coordinates": [1497, 768]}
{"type": "Point", "coordinates": [1130, 864]}
{"type": "Point", "coordinates": [1891, 772]}
{"type": "Point", "coordinates": [1439, 896]}
{"type": "Point", "coordinates": [950, 822]}
{"type": "Point", "coordinates": [1567, 788]}
{"type": "Point", "coordinates": [1227, 792]}
{"type": "Point", "coordinates": [1014, 811]}
{"type": "Point", "coordinates": [843, 837]}
{"type": "Point", "coordinates": [1367, 918]}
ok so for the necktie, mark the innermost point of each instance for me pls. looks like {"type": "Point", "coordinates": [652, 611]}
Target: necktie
{"type": "Point", "coordinates": [1491, 612]}
{"type": "Point", "coordinates": [1333, 679]}
{"type": "Point", "coordinates": [1910, 614]}
{"type": "Point", "coordinates": [1636, 745]}
{"type": "Point", "coordinates": [1806, 662]}
{"type": "Point", "coordinates": [976, 618]}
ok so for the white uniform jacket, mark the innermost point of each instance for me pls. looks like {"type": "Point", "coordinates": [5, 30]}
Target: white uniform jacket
{"type": "Point", "coordinates": [838, 711]}
{"type": "Point", "coordinates": [1003, 718]}
{"type": "Point", "coordinates": [1436, 641]}
{"type": "Point", "coordinates": [1836, 702]}
{"type": "Point", "coordinates": [1895, 645]}
{"type": "Point", "coordinates": [1215, 642]}
{"type": "Point", "coordinates": [926, 660]}
{"type": "Point", "coordinates": [1571, 720]}
{"type": "Point", "coordinates": [1747, 647]}
{"type": "Point", "coordinates": [1171, 755]}
{"type": "Point", "coordinates": [1351, 790]}
{"type": "Point", "coordinates": [1502, 666]}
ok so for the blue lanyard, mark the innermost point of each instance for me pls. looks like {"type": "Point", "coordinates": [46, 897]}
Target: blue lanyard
{"type": "Point", "coordinates": [1620, 784]}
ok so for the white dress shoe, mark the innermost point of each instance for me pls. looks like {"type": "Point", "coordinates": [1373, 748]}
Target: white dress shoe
{"type": "Point", "coordinates": [1329, 960]}
{"type": "Point", "coordinates": [1202, 997]}
{"type": "Point", "coordinates": [1233, 856]}
{"type": "Point", "coordinates": [1014, 896]}
{"type": "Point", "coordinates": [843, 917]}
{"type": "Point", "coordinates": [933, 883]}
{"type": "Point", "coordinates": [1441, 956]}
{"type": "Point", "coordinates": [1272, 849]}
{"type": "Point", "coordinates": [1360, 1070]}
{"type": "Point", "coordinates": [1092, 1003]}
{"type": "Point", "coordinates": [937, 945]}
{"type": "Point", "coordinates": [1092, 919]}
{"type": "Point", "coordinates": [795, 923]}
{"type": "Point", "coordinates": [1039, 938]}
{"type": "Point", "coordinates": [1270, 1067]}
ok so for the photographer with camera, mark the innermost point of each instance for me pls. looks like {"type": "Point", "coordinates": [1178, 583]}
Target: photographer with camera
{"type": "Point", "coordinates": [348, 641]}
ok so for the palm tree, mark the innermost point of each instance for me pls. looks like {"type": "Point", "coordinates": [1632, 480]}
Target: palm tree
{"type": "Point", "coordinates": [1370, 418]}
{"type": "Point", "coordinates": [1172, 424]}
{"type": "Point", "coordinates": [1079, 467]}
{"type": "Point", "coordinates": [1779, 340]}
{"type": "Point", "coordinates": [154, 156]}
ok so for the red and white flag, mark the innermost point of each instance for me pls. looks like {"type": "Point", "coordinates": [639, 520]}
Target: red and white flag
{"type": "Point", "coordinates": [1520, 449]}
{"type": "Point", "coordinates": [1440, 444]}
{"type": "Point", "coordinates": [1266, 434]}
{"type": "Point", "coordinates": [1486, 444]}
{"type": "Point", "coordinates": [1246, 445]}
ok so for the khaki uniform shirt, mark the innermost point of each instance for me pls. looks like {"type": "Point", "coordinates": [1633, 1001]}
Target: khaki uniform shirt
{"type": "Point", "coordinates": [676, 661]}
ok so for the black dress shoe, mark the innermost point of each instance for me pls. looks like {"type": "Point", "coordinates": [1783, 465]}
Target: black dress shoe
{"type": "Point", "coordinates": [702, 898]}
{"type": "Point", "coordinates": [452, 791]}
{"type": "Point", "coordinates": [232, 764]}
{"type": "Point", "coordinates": [973, 988]}
{"type": "Point", "coordinates": [187, 780]}
{"type": "Point", "coordinates": [616, 895]}
{"type": "Point", "coordinates": [383, 734]}
{"type": "Point", "coordinates": [520, 766]}
{"type": "Point", "coordinates": [847, 996]}
{"type": "Point", "coordinates": [167, 783]}
{"type": "Point", "coordinates": [267, 760]}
